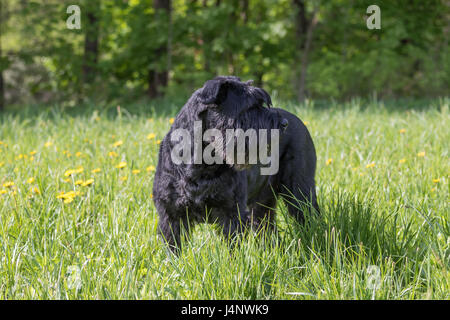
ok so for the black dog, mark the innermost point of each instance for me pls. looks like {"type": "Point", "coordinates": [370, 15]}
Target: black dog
{"type": "Point", "coordinates": [231, 194]}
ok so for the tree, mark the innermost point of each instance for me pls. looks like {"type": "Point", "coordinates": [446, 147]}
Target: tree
{"type": "Point", "coordinates": [2, 89]}
{"type": "Point", "coordinates": [90, 58]}
{"type": "Point", "coordinates": [304, 31]}
{"type": "Point", "coordinates": [158, 75]}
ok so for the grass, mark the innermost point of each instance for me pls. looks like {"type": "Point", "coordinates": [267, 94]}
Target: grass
{"type": "Point", "coordinates": [383, 188]}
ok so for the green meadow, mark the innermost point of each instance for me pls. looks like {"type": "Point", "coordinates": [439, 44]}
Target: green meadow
{"type": "Point", "coordinates": [77, 219]}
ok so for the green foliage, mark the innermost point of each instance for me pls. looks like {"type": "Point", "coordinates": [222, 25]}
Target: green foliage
{"type": "Point", "coordinates": [255, 39]}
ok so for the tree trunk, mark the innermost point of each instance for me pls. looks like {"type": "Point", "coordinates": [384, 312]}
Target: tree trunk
{"type": "Point", "coordinates": [2, 88]}
{"type": "Point", "coordinates": [91, 41]}
{"type": "Point", "coordinates": [157, 78]}
{"type": "Point", "coordinates": [304, 32]}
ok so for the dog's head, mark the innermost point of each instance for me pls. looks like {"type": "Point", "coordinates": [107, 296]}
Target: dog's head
{"type": "Point", "coordinates": [233, 104]}
{"type": "Point", "coordinates": [242, 102]}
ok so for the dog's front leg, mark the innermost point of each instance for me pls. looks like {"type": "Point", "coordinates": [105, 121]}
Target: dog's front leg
{"type": "Point", "coordinates": [171, 230]}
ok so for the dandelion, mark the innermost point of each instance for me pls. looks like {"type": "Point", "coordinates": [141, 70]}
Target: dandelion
{"type": "Point", "coordinates": [96, 170]}
{"type": "Point", "coordinates": [421, 154]}
{"type": "Point", "coordinates": [2, 164]}
{"type": "Point", "coordinates": [402, 161]}
{"type": "Point", "coordinates": [78, 182]}
{"type": "Point", "coordinates": [150, 168]}
{"type": "Point", "coordinates": [68, 200]}
{"type": "Point", "coordinates": [433, 189]}
{"type": "Point", "coordinates": [30, 180]}
{"type": "Point", "coordinates": [151, 196]}
{"type": "Point", "coordinates": [8, 184]}
{"type": "Point", "coordinates": [112, 154]}
{"type": "Point", "coordinates": [68, 173]}
{"type": "Point", "coordinates": [136, 171]}
{"type": "Point", "coordinates": [36, 190]}
{"type": "Point", "coordinates": [48, 144]}
{"type": "Point", "coordinates": [436, 180]}
{"type": "Point", "coordinates": [121, 165]}
{"type": "Point", "coordinates": [88, 182]}
{"type": "Point", "coordinates": [78, 154]}
{"type": "Point", "coordinates": [79, 169]}
{"type": "Point", "coordinates": [3, 191]}
{"type": "Point", "coordinates": [305, 123]}
{"type": "Point", "coordinates": [32, 153]}
{"type": "Point", "coordinates": [370, 165]}
{"type": "Point", "coordinates": [329, 161]}
{"type": "Point", "coordinates": [158, 141]}
{"type": "Point", "coordinates": [403, 130]}
{"type": "Point", "coordinates": [151, 136]}
{"type": "Point", "coordinates": [67, 180]}
{"type": "Point", "coordinates": [117, 143]}
{"type": "Point", "coordinates": [171, 120]}
{"type": "Point", "coordinates": [124, 178]}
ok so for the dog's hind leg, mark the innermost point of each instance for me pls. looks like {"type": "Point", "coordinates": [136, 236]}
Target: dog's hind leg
{"type": "Point", "coordinates": [262, 212]}
{"type": "Point", "coordinates": [300, 196]}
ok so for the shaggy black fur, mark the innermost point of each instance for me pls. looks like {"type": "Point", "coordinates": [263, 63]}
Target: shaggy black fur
{"type": "Point", "coordinates": [232, 195]}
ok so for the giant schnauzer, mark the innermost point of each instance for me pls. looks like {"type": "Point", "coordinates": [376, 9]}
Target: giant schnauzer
{"type": "Point", "coordinates": [233, 194]}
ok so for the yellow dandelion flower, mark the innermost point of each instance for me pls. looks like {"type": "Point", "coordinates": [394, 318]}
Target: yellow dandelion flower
{"type": "Point", "coordinates": [32, 153]}
{"type": "Point", "coordinates": [402, 161]}
{"type": "Point", "coordinates": [60, 195]}
{"type": "Point", "coordinates": [3, 191]}
{"type": "Point", "coordinates": [31, 158]}
{"type": "Point", "coordinates": [329, 161]}
{"type": "Point", "coordinates": [117, 143]}
{"type": "Point", "coordinates": [112, 154]}
{"type": "Point", "coordinates": [158, 141]}
{"type": "Point", "coordinates": [36, 190]}
{"type": "Point", "coordinates": [171, 120]}
{"type": "Point", "coordinates": [68, 200]}
{"type": "Point", "coordinates": [79, 170]}
{"type": "Point", "coordinates": [136, 171]}
{"type": "Point", "coordinates": [151, 136]}
{"type": "Point", "coordinates": [67, 180]}
{"type": "Point", "coordinates": [433, 189]}
{"type": "Point", "coordinates": [150, 168]}
{"type": "Point", "coordinates": [121, 165]}
{"type": "Point", "coordinates": [30, 180]}
{"type": "Point", "coordinates": [305, 123]}
{"type": "Point", "coordinates": [124, 178]}
{"type": "Point", "coordinates": [421, 154]}
{"type": "Point", "coordinates": [403, 130]}
{"type": "Point", "coordinates": [48, 144]}
{"type": "Point", "coordinates": [2, 164]}
{"type": "Point", "coordinates": [370, 165]}
{"type": "Point", "coordinates": [68, 173]}
{"type": "Point", "coordinates": [88, 182]}
{"type": "Point", "coordinates": [96, 170]}
{"type": "Point", "coordinates": [78, 182]}
{"type": "Point", "coordinates": [8, 184]}
{"type": "Point", "coordinates": [78, 154]}
{"type": "Point", "coordinates": [151, 196]}
{"type": "Point", "coordinates": [436, 180]}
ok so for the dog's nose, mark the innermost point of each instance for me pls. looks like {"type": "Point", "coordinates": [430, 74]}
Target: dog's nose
{"type": "Point", "coordinates": [284, 124]}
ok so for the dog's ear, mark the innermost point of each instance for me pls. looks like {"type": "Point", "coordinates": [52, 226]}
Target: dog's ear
{"type": "Point", "coordinates": [214, 91]}
{"type": "Point", "coordinates": [262, 97]}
